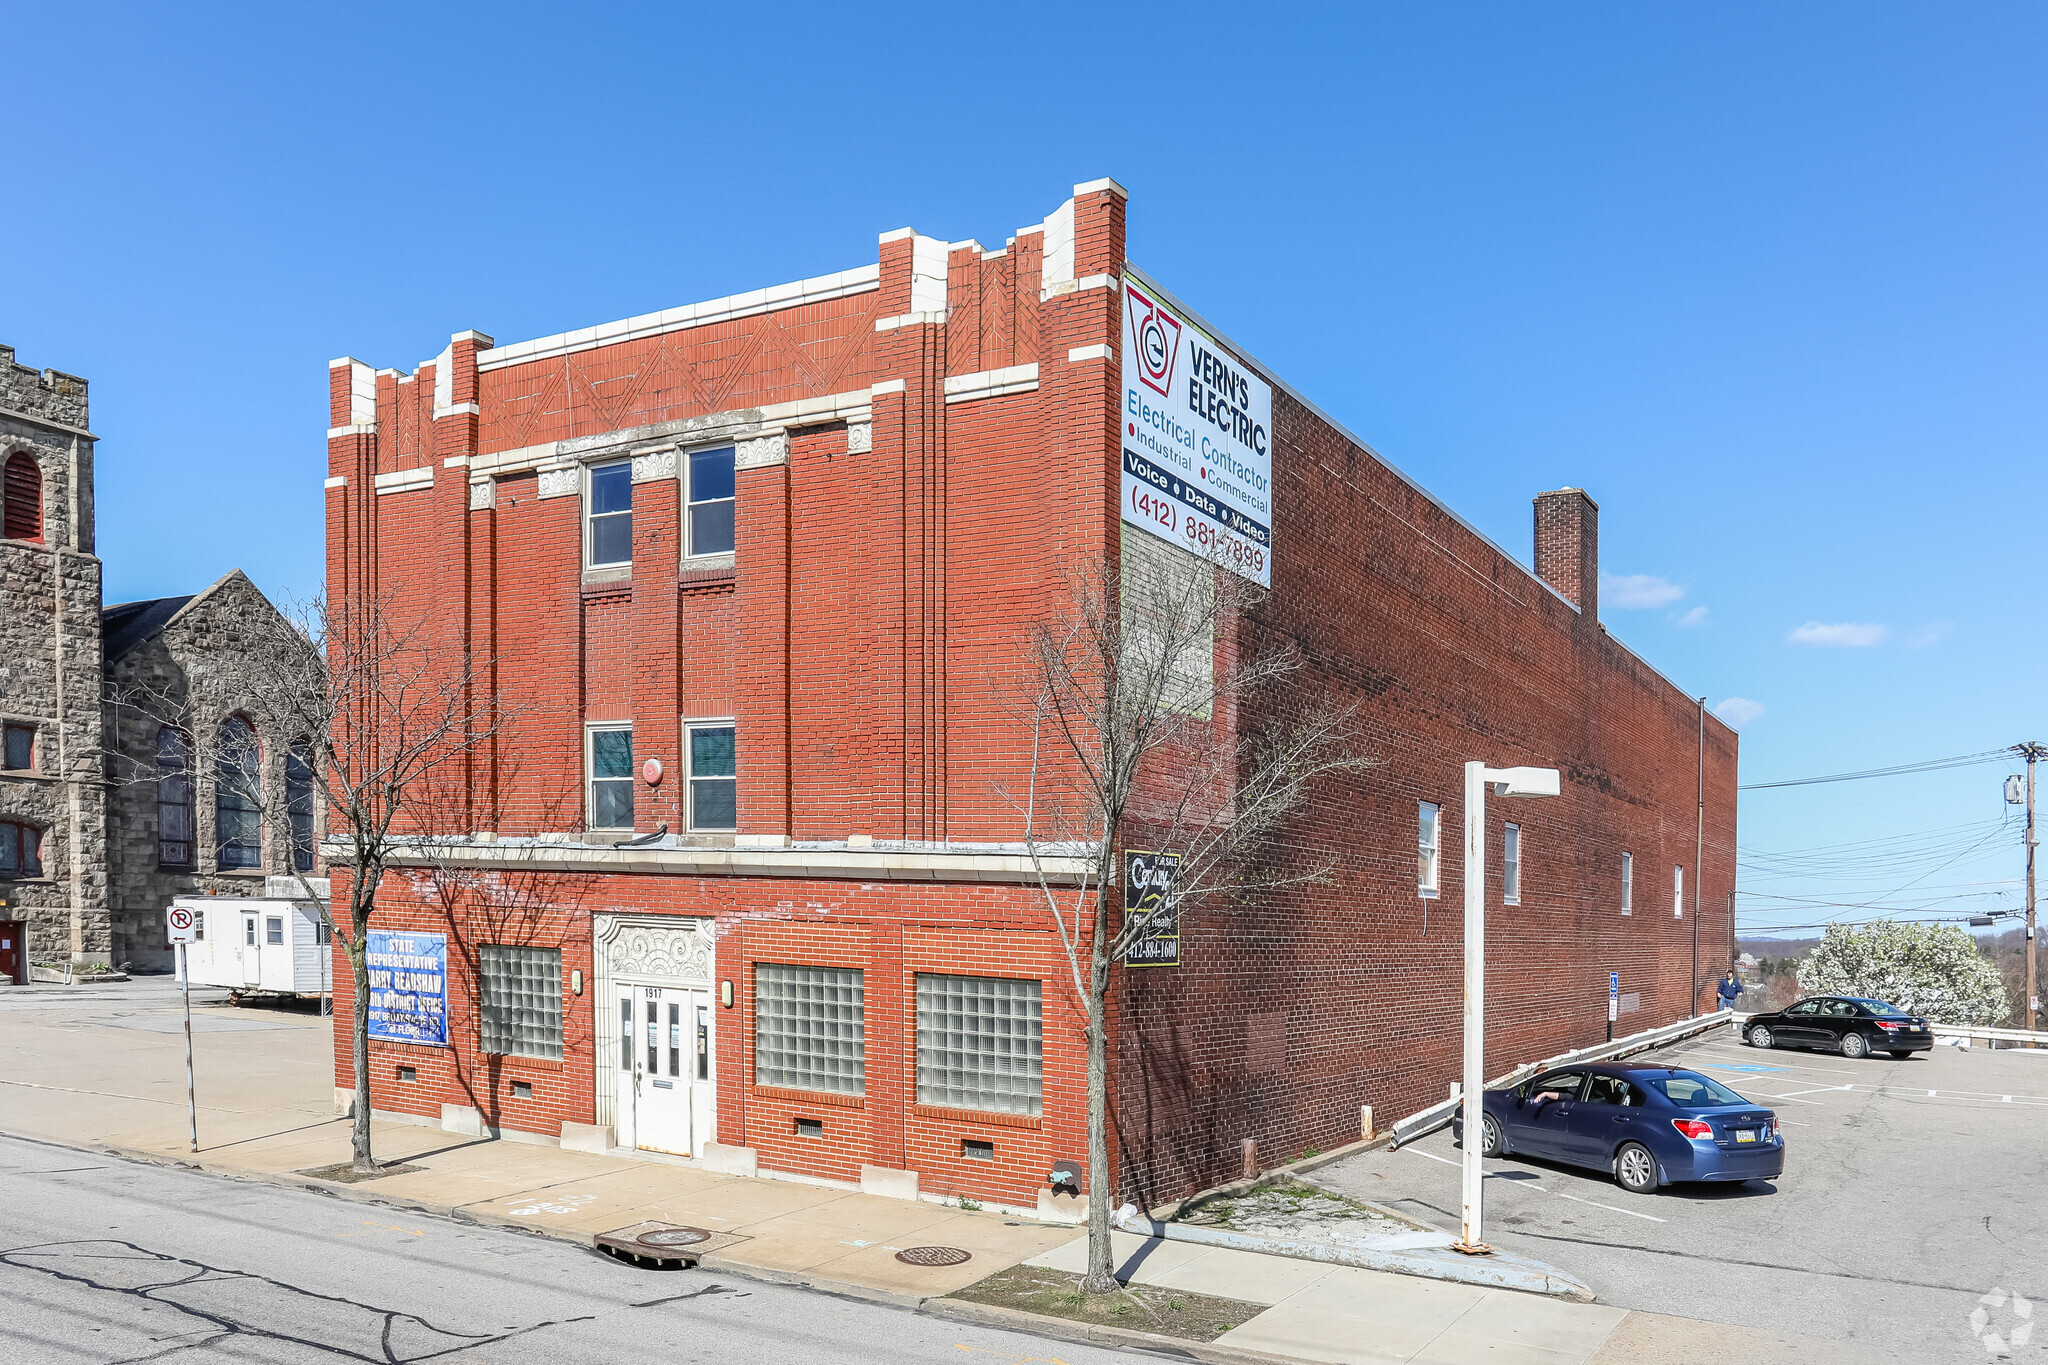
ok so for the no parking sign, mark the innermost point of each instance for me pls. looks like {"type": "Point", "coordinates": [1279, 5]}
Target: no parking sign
{"type": "Point", "coordinates": [181, 923]}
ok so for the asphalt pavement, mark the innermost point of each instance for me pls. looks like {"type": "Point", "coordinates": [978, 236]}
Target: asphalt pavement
{"type": "Point", "coordinates": [104, 1261]}
{"type": "Point", "coordinates": [1912, 1190]}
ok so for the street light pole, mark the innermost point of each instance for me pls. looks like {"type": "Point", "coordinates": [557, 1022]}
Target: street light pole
{"type": "Point", "coordinates": [1512, 782]}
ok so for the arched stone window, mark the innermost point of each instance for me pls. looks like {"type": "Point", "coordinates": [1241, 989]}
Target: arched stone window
{"type": "Point", "coordinates": [21, 498]}
{"type": "Point", "coordinates": [298, 802]}
{"type": "Point", "coordinates": [173, 798]}
{"type": "Point", "coordinates": [238, 797]}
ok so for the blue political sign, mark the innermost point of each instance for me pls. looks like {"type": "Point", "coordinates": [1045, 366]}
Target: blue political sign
{"type": "Point", "coordinates": [408, 987]}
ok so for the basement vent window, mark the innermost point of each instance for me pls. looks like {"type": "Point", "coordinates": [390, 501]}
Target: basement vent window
{"type": "Point", "coordinates": [977, 1151]}
{"type": "Point", "coordinates": [408, 1073]}
{"type": "Point", "coordinates": [810, 1128]}
{"type": "Point", "coordinates": [522, 1090]}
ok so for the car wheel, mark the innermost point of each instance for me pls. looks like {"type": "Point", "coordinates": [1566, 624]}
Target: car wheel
{"type": "Point", "coordinates": [1855, 1046]}
{"type": "Point", "coordinates": [1760, 1036]}
{"type": "Point", "coordinates": [1490, 1143]}
{"type": "Point", "coordinates": [1904, 1056]}
{"type": "Point", "coordinates": [1635, 1168]}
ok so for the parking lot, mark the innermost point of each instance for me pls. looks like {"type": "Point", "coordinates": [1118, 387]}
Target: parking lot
{"type": "Point", "coordinates": [1911, 1190]}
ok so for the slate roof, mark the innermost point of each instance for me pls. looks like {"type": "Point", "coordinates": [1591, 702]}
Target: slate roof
{"type": "Point", "coordinates": [128, 624]}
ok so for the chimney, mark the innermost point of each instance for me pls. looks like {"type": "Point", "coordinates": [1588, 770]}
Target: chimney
{"type": "Point", "coordinates": [1568, 548]}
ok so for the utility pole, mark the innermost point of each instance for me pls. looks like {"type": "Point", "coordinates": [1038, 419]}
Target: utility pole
{"type": "Point", "coordinates": [2034, 752]}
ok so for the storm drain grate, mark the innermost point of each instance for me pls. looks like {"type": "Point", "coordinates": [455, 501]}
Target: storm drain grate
{"type": "Point", "coordinates": [933, 1256]}
{"type": "Point", "coordinates": [673, 1237]}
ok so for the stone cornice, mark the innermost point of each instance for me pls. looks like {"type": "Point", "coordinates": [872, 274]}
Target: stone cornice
{"type": "Point", "coordinates": [836, 862]}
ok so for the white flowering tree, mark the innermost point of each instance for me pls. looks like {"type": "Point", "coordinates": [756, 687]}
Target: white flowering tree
{"type": "Point", "coordinates": [1934, 970]}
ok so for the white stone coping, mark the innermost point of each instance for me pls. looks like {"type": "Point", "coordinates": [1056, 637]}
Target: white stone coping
{"type": "Point", "coordinates": [1096, 352]}
{"type": "Point", "coordinates": [773, 419]}
{"type": "Point", "coordinates": [963, 388]}
{"type": "Point", "coordinates": [834, 861]}
{"type": "Point", "coordinates": [405, 480]}
{"type": "Point", "coordinates": [819, 289]}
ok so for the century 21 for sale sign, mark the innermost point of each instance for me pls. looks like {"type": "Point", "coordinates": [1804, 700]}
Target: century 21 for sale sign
{"type": "Point", "coordinates": [1198, 439]}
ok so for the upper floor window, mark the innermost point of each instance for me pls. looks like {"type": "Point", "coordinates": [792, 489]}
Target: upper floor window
{"type": "Point", "coordinates": [713, 778]}
{"type": "Point", "coordinates": [611, 776]}
{"type": "Point", "coordinates": [20, 850]}
{"type": "Point", "coordinates": [1628, 883]}
{"type": "Point", "coordinates": [21, 498]}
{"type": "Point", "coordinates": [1429, 825]}
{"type": "Point", "coordinates": [17, 746]}
{"type": "Point", "coordinates": [1511, 866]}
{"type": "Point", "coordinates": [173, 798]}
{"type": "Point", "coordinates": [710, 502]}
{"type": "Point", "coordinates": [298, 802]}
{"type": "Point", "coordinates": [608, 538]}
{"type": "Point", "coordinates": [1678, 891]}
{"type": "Point", "coordinates": [238, 797]}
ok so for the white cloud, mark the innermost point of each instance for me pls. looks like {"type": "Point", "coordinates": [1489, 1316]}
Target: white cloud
{"type": "Point", "coordinates": [1739, 711]}
{"type": "Point", "coordinates": [1696, 617]}
{"type": "Point", "coordinates": [1928, 635]}
{"type": "Point", "coordinates": [1631, 590]}
{"type": "Point", "coordinates": [1846, 634]}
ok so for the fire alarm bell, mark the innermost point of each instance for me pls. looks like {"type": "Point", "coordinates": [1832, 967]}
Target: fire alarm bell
{"type": "Point", "coordinates": [650, 772]}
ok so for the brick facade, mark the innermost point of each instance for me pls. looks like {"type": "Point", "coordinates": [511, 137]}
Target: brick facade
{"type": "Point", "coordinates": [924, 449]}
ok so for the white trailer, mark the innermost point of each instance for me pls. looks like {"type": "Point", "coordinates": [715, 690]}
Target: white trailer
{"type": "Point", "coordinates": [259, 947]}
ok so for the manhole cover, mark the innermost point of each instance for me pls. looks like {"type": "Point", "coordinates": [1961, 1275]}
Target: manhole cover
{"type": "Point", "coordinates": [932, 1256]}
{"type": "Point", "coordinates": [673, 1237]}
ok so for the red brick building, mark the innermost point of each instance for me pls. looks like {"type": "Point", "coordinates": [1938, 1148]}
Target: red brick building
{"type": "Point", "coordinates": [788, 545]}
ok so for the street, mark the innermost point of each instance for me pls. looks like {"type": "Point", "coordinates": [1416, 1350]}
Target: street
{"type": "Point", "coordinates": [1898, 1210]}
{"type": "Point", "coordinates": [104, 1260]}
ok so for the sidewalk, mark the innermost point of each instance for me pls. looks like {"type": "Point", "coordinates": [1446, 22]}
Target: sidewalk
{"type": "Point", "coordinates": [107, 1071]}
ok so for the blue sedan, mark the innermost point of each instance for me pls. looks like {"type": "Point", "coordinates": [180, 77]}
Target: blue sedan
{"type": "Point", "coordinates": [1648, 1125]}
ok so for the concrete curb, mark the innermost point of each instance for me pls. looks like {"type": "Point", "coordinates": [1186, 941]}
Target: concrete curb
{"type": "Point", "coordinates": [980, 1314]}
{"type": "Point", "coordinates": [1092, 1334]}
{"type": "Point", "coordinates": [1501, 1270]}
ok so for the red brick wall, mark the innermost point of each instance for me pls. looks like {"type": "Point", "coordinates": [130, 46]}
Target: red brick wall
{"type": "Point", "coordinates": [870, 640]}
{"type": "Point", "coordinates": [1450, 652]}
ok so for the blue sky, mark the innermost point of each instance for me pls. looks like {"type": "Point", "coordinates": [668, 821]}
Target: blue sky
{"type": "Point", "coordinates": [1766, 280]}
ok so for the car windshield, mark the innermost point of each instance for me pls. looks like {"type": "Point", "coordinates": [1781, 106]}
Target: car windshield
{"type": "Point", "coordinates": [1877, 1006]}
{"type": "Point", "coordinates": [1690, 1088]}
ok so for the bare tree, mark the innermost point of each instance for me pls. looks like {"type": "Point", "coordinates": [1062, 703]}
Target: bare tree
{"type": "Point", "coordinates": [1155, 706]}
{"type": "Point", "coordinates": [378, 719]}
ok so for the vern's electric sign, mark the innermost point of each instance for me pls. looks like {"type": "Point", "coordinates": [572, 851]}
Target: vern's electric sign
{"type": "Point", "coordinates": [1197, 439]}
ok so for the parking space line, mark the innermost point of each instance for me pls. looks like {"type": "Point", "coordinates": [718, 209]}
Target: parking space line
{"type": "Point", "coordinates": [1611, 1208]}
{"type": "Point", "coordinates": [1815, 1090]}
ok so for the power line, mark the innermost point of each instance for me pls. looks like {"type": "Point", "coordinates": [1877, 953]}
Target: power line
{"type": "Point", "coordinates": [1932, 765]}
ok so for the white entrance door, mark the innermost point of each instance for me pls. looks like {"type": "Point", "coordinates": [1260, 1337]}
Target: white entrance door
{"type": "Point", "coordinates": [667, 1091]}
{"type": "Point", "coordinates": [251, 951]}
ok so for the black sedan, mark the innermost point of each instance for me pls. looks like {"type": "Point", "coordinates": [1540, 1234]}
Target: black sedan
{"type": "Point", "coordinates": [1647, 1125]}
{"type": "Point", "coordinates": [1849, 1024]}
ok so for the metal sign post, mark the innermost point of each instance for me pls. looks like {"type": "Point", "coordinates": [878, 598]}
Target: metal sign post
{"type": "Point", "coordinates": [182, 927]}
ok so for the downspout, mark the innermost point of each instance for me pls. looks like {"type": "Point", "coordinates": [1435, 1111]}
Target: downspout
{"type": "Point", "coordinates": [1699, 842]}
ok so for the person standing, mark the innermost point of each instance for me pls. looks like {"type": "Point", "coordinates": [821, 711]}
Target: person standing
{"type": "Point", "coordinates": [1729, 988]}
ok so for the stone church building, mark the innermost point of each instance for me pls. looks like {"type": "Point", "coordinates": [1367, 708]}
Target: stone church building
{"type": "Point", "coordinates": [128, 775]}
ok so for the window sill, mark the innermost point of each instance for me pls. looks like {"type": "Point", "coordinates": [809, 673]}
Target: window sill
{"type": "Point", "coordinates": [6, 880]}
{"type": "Point", "coordinates": [982, 1116]}
{"type": "Point", "coordinates": [608, 573]}
{"type": "Point", "coordinates": [252, 874]}
{"type": "Point", "coordinates": [1428, 895]}
{"type": "Point", "coordinates": [838, 1101]}
{"type": "Point", "coordinates": [1510, 900]}
{"type": "Point", "coordinates": [721, 563]}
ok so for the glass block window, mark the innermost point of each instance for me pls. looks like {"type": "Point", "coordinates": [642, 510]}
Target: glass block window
{"type": "Point", "coordinates": [978, 1043]}
{"type": "Point", "coordinates": [1428, 841]}
{"type": "Point", "coordinates": [714, 778]}
{"type": "Point", "coordinates": [610, 534]}
{"type": "Point", "coordinates": [711, 502]}
{"type": "Point", "coordinates": [1511, 865]}
{"type": "Point", "coordinates": [810, 1028]}
{"type": "Point", "coordinates": [522, 1001]}
{"type": "Point", "coordinates": [611, 777]}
